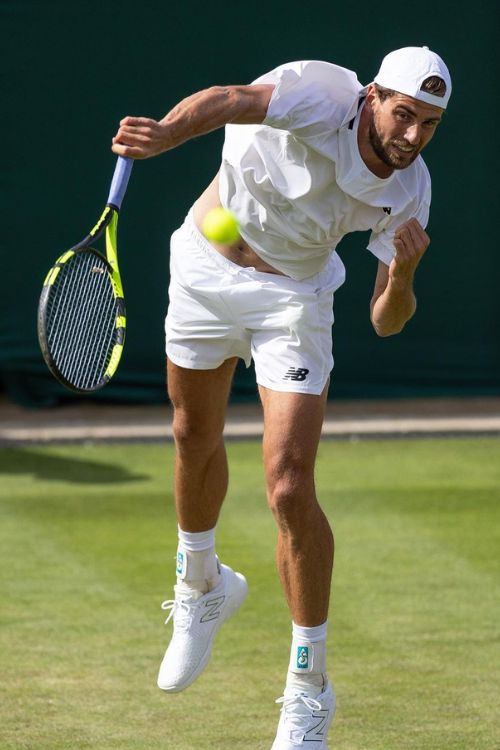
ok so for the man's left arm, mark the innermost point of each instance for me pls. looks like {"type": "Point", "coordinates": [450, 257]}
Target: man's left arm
{"type": "Point", "coordinates": [393, 302]}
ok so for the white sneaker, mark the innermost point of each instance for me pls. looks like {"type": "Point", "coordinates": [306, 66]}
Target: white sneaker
{"type": "Point", "coordinates": [305, 719]}
{"type": "Point", "coordinates": [197, 618]}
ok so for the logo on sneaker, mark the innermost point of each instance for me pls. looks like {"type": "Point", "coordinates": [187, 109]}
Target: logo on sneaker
{"type": "Point", "coordinates": [181, 564]}
{"type": "Point", "coordinates": [296, 373]}
{"type": "Point", "coordinates": [213, 608]}
{"type": "Point", "coordinates": [317, 732]}
{"type": "Point", "coordinates": [302, 657]}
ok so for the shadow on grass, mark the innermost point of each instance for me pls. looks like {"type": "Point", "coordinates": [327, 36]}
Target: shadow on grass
{"type": "Point", "coordinates": [63, 469]}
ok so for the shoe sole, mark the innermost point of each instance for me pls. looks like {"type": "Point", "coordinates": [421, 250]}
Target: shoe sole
{"type": "Point", "coordinates": [234, 603]}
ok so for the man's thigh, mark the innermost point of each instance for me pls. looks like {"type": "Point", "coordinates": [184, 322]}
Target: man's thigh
{"type": "Point", "coordinates": [199, 397]}
{"type": "Point", "coordinates": [292, 430]}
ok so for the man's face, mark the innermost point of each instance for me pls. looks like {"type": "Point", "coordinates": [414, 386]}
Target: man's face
{"type": "Point", "coordinates": [400, 128]}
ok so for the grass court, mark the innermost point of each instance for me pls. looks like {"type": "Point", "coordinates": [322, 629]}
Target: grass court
{"type": "Point", "coordinates": [87, 544]}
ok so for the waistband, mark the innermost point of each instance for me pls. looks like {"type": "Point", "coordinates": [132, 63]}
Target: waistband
{"type": "Point", "coordinates": [329, 278]}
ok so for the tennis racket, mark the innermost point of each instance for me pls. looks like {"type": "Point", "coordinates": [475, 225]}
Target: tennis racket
{"type": "Point", "coordinates": [81, 313]}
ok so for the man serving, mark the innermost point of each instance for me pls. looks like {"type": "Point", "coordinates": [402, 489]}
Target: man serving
{"type": "Point", "coordinates": [309, 156]}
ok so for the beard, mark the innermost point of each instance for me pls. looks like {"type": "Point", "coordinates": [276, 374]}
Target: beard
{"type": "Point", "coordinates": [391, 158]}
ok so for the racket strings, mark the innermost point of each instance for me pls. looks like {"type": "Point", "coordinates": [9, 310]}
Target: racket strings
{"type": "Point", "coordinates": [93, 328]}
{"type": "Point", "coordinates": [77, 330]}
{"type": "Point", "coordinates": [81, 320]}
{"type": "Point", "coordinates": [64, 301]}
{"type": "Point", "coordinates": [88, 332]}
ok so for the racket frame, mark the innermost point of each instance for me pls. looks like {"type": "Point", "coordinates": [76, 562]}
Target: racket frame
{"type": "Point", "coordinates": [107, 223]}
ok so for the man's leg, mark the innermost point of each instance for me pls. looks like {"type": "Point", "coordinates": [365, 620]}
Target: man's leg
{"type": "Point", "coordinates": [292, 428]}
{"type": "Point", "coordinates": [199, 399]}
{"type": "Point", "coordinates": [304, 554]}
{"type": "Point", "coordinates": [206, 593]}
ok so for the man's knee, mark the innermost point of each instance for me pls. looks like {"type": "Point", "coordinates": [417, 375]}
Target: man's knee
{"type": "Point", "coordinates": [290, 491]}
{"type": "Point", "coordinates": [193, 433]}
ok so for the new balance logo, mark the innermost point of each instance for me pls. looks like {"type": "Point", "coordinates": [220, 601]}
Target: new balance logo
{"type": "Point", "coordinates": [317, 732]}
{"type": "Point", "coordinates": [213, 609]}
{"type": "Point", "coordinates": [302, 657]}
{"type": "Point", "coordinates": [181, 564]}
{"type": "Point", "coordinates": [387, 210]}
{"type": "Point", "coordinates": [296, 373]}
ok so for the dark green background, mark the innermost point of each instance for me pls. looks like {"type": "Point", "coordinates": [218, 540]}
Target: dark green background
{"type": "Point", "coordinates": [73, 69]}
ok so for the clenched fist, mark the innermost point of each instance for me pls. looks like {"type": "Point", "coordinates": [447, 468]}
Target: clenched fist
{"type": "Point", "coordinates": [410, 243]}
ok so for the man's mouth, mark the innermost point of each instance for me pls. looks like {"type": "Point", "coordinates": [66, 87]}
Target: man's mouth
{"type": "Point", "coordinates": [404, 148]}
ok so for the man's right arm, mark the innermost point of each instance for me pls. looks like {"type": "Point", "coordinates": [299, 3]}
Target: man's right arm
{"type": "Point", "coordinates": [207, 110]}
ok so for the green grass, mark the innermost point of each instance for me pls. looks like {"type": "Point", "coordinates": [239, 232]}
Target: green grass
{"type": "Point", "coordinates": [87, 541]}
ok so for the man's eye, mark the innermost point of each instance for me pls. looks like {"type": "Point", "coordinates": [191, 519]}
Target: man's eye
{"type": "Point", "coordinates": [402, 116]}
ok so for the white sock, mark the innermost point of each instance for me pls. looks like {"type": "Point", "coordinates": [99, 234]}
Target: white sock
{"type": "Point", "coordinates": [197, 564]}
{"type": "Point", "coordinates": [307, 667]}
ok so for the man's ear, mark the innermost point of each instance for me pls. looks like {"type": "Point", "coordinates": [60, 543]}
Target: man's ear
{"type": "Point", "coordinates": [371, 95]}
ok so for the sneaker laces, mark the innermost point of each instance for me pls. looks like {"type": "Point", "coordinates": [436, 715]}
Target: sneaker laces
{"type": "Point", "coordinates": [295, 715]}
{"type": "Point", "coordinates": [181, 610]}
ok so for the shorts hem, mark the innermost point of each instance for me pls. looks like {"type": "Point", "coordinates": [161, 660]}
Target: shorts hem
{"type": "Point", "coordinates": [191, 364]}
{"type": "Point", "coordinates": [290, 387]}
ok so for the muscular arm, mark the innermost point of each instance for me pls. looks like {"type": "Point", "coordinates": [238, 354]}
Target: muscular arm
{"type": "Point", "coordinates": [207, 110]}
{"type": "Point", "coordinates": [393, 302]}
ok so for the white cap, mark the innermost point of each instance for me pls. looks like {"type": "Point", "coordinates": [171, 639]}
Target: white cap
{"type": "Point", "coordinates": [405, 70]}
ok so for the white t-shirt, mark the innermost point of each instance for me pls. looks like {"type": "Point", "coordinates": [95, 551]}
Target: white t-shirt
{"type": "Point", "coordinates": [297, 183]}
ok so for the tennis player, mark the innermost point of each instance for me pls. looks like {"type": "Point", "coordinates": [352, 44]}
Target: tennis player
{"type": "Point", "coordinates": [309, 155]}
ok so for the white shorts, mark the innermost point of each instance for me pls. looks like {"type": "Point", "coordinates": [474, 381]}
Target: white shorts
{"type": "Point", "coordinates": [219, 310]}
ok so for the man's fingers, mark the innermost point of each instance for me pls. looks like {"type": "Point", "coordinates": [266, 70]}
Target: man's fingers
{"type": "Point", "coordinates": [417, 234]}
{"type": "Point", "coordinates": [137, 137]}
{"type": "Point", "coordinates": [133, 130]}
{"type": "Point", "coordinates": [131, 138]}
{"type": "Point", "coordinates": [134, 152]}
{"type": "Point", "coordinates": [140, 138]}
{"type": "Point", "coordinates": [135, 121]}
{"type": "Point", "coordinates": [412, 237]}
{"type": "Point", "coordinates": [415, 227]}
{"type": "Point", "coordinates": [401, 233]}
{"type": "Point", "coordinates": [402, 240]}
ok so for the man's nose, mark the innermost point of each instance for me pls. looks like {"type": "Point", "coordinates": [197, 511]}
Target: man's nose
{"type": "Point", "coordinates": [413, 134]}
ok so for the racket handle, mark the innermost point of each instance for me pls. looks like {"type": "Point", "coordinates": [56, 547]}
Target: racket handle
{"type": "Point", "coordinates": [120, 181]}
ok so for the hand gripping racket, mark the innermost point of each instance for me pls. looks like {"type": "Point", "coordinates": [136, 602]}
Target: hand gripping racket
{"type": "Point", "coordinates": [81, 313]}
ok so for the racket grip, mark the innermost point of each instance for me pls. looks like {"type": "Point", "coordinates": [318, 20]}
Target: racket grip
{"type": "Point", "coordinates": [120, 180]}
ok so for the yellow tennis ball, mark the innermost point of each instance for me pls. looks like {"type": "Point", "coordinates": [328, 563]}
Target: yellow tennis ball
{"type": "Point", "coordinates": [220, 225]}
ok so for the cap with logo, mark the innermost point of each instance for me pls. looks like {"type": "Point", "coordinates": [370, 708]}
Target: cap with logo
{"type": "Point", "coordinates": [405, 70]}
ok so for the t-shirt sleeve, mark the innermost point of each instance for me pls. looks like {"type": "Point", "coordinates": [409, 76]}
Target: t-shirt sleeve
{"type": "Point", "coordinates": [311, 96]}
{"type": "Point", "coordinates": [381, 243]}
